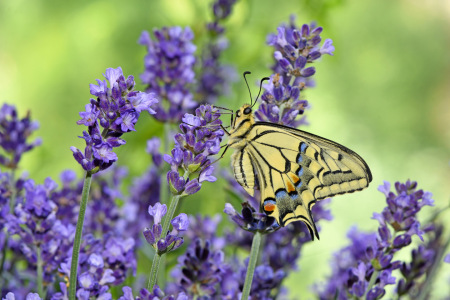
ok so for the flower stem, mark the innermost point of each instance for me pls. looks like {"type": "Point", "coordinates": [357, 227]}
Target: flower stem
{"type": "Point", "coordinates": [157, 257]}
{"type": "Point", "coordinates": [372, 280]}
{"type": "Point", "coordinates": [40, 273]}
{"type": "Point", "coordinates": [251, 265]}
{"type": "Point", "coordinates": [164, 197]}
{"type": "Point", "coordinates": [78, 232]}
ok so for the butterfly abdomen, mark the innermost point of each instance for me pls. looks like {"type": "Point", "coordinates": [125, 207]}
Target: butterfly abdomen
{"type": "Point", "coordinates": [243, 170]}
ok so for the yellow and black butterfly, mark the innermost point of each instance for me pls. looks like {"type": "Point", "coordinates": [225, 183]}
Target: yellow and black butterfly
{"type": "Point", "coordinates": [293, 168]}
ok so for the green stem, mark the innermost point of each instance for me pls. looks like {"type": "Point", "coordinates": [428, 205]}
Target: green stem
{"type": "Point", "coordinates": [78, 232]}
{"type": "Point", "coordinates": [40, 273]}
{"type": "Point", "coordinates": [372, 280]}
{"type": "Point", "coordinates": [157, 257]}
{"type": "Point", "coordinates": [164, 198]}
{"type": "Point", "coordinates": [154, 272]}
{"type": "Point", "coordinates": [251, 265]}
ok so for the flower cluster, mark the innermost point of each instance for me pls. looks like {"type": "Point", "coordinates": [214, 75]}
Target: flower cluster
{"type": "Point", "coordinates": [200, 139]}
{"type": "Point", "coordinates": [41, 231]}
{"type": "Point", "coordinates": [116, 110]}
{"type": "Point", "coordinates": [215, 78]}
{"type": "Point", "coordinates": [169, 70]}
{"type": "Point", "coordinates": [425, 261]}
{"type": "Point", "coordinates": [171, 240]}
{"type": "Point", "coordinates": [365, 267]}
{"type": "Point", "coordinates": [250, 219]}
{"type": "Point", "coordinates": [103, 263]}
{"type": "Point", "coordinates": [295, 48]}
{"type": "Point", "coordinates": [39, 236]}
{"type": "Point", "coordinates": [30, 296]}
{"type": "Point", "coordinates": [157, 294]}
{"type": "Point", "coordinates": [200, 270]}
{"type": "Point", "coordinates": [14, 133]}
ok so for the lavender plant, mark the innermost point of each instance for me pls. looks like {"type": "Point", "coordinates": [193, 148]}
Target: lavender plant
{"type": "Point", "coordinates": [208, 257]}
{"type": "Point", "coordinates": [116, 109]}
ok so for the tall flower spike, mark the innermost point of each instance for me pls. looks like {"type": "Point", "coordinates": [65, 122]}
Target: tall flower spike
{"type": "Point", "coordinates": [114, 112]}
{"type": "Point", "coordinates": [295, 49]}
{"type": "Point", "coordinates": [200, 139]}
{"type": "Point", "coordinates": [169, 70]}
{"type": "Point", "coordinates": [14, 134]}
{"type": "Point", "coordinates": [214, 77]}
{"type": "Point", "coordinates": [371, 254]}
{"type": "Point", "coordinates": [104, 263]}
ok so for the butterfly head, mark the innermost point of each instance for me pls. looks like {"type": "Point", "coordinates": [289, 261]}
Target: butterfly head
{"type": "Point", "coordinates": [243, 117]}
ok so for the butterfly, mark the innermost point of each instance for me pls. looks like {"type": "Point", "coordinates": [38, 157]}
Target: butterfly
{"type": "Point", "coordinates": [292, 168]}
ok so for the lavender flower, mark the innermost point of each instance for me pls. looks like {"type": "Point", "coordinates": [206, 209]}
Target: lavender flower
{"type": "Point", "coordinates": [144, 191]}
{"type": "Point", "coordinates": [103, 263]}
{"type": "Point", "coordinates": [169, 70]}
{"type": "Point", "coordinates": [199, 271]}
{"type": "Point", "coordinates": [103, 215]}
{"type": "Point", "coordinates": [205, 228]}
{"type": "Point", "coordinates": [30, 296]}
{"type": "Point", "coordinates": [251, 220]}
{"type": "Point", "coordinates": [14, 134]}
{"type": "Point", "coordinates": [295, 48]}
{"type": "Point", "coordinates": [116, 110]}
{"type": "Point", "coordinates": [157, 294]}
{"type": "Point", "coordinates": [214, 77]}
{"type": "Point", "coordinates": [418, 274]}
{"type": "Point", "coordinates": [365, 267]}
{"type": "Point", "coordinates": [200, 139]}
{"type": "Point", "coordinates": [172, 240]}
{"type": "Point", "coordinates": [36, 229]}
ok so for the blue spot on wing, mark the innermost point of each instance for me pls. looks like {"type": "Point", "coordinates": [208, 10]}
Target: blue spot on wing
{"type": "Point", "coordinates": [300, 171]}
{"type": "Point", "coordinates": [269, 201]}
{"type": "Point", "coordinates": [303, 146]}
{"type": "Point", "coordinates": [294, 196]}
{"type": "Point", "coordinates": [280, 194]}
{"type": "Point", "coordinates": [299, 158]}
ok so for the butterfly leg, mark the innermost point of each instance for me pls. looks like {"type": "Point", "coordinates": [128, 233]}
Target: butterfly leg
{"type": "Point", "coordinates": [221, 156]}
{"type": "Point", "coordinates": [224, 129]}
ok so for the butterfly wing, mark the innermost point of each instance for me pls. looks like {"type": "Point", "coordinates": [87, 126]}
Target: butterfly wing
{"type": "Point", "coordinates": [295, 169]}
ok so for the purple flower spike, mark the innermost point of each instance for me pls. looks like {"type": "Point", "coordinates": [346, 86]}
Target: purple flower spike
{"type": "Point", "coordinates": [371, 253]}
{"type": "Point", "coordinates": [14, 136]}
{"type": "Point", "coordinates": [115, 111]}
{"type": "Point", "coordinates": [295, 49]}
{"type": "Point", "coordinates": [169, 70]}
{"type": "Point", "coordinates": [200, 139]}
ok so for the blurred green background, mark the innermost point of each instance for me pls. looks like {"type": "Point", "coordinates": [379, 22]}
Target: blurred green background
{"type": "Point", "coordinates": [385, 93]}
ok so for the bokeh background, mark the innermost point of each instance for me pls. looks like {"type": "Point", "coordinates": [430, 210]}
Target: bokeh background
{"type": "Point", "coordinates": [385, 93]}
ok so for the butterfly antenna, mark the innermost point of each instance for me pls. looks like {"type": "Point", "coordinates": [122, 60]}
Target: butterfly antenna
{"type": "Point", "coordinates": [260, 88]}
{"type": "Point", "coordinates": [246, 73]}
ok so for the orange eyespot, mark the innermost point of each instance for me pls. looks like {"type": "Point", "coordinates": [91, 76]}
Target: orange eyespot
{"type": "Point", "coordinates": [269, 207]}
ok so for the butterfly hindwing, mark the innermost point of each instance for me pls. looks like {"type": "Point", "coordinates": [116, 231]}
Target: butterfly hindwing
{"type": "Point", "coordinates": [295, 169]}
